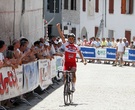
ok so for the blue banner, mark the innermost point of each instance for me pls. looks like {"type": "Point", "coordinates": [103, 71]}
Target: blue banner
{"type": "Point", "coordinates": [88, 52]}
{"type": "Point", "coordinates": [106, 53]}
{"type": "Point", "coordinates": [111, 53]}
{"type": "Point", "coordinates": [131, 55]}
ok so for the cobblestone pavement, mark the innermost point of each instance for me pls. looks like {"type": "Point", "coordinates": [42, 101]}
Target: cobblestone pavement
{"type": "Point", "coordinates": [98, 87]}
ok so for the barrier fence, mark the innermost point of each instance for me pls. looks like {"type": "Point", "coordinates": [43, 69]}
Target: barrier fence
{"type": "Point", "coordinates": [27, 77]}
{"type": "Point", "coordinates": [106, 53]}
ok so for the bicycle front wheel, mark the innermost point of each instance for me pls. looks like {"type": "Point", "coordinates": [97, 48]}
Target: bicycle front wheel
{"type": "Point", "coordinates": [68, 95]}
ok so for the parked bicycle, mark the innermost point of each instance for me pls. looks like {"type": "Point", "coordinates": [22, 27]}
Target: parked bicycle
{"type": "Point", "coordinates": [68, 93]}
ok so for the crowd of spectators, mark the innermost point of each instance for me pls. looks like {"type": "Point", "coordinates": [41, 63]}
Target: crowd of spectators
{"type": "Point", "coordinates": [19, 52]}
{"type": "Point", "coordinates": [103, 43]}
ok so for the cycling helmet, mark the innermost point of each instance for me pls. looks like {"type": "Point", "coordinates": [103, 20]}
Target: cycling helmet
{"type": "Point", "coordinates": [71, 35]}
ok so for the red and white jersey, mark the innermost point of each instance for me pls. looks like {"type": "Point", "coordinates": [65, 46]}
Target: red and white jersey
{"type": "Point", "coordinates": [70, 52]}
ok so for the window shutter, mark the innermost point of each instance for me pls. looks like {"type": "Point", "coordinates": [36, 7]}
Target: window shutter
{"type": "Point", "coordinates": [97, 6]}
{"type": "Point", "coordinates": [111, 6]}
{"type": "Point", "coordinates": [65, 4]}
{"type": "Point", "coordinates": [84, 5]}
{"type": "Point", "coordinates": [74, 5]}
{"type": "Point", "coordinates": [123, 6]}
{"type": "Point", "coordinates": [128, 35]}
{"type": "Point", "coordinates": [130, 6]}
{"type": "Point", "coordinates": [57, 6]}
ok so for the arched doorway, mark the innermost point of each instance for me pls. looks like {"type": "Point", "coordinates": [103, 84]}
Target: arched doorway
{"type": "Point", "coordinates": [84, 33]}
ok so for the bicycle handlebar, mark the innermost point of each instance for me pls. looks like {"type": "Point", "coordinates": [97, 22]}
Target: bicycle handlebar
{"type": "Point", "coordinates": [64, 72]}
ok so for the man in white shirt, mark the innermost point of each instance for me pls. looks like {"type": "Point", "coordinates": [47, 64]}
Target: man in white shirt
{"type": "Point", "coordinates": [79, 41]}
{"type": "Point", "coordinates": [120, 50]}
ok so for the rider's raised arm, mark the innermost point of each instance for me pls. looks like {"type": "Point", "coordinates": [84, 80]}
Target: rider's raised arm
{"type": "Point", "coordinates": [60, 33]}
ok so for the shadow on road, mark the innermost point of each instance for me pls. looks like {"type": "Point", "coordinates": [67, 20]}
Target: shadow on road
{"type": "Point", "coordinates": [73, 104]}
{"type": "Point", "coordinates": [34, 99]}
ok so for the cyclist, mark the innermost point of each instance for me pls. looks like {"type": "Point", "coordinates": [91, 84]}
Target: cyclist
{"type": "Point", "coordinates": [70, 54]}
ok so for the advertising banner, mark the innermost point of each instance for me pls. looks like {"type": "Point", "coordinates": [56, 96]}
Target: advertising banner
{"type": "Point", "coordinates": [53, 67]}
{"type": "Point", "coordinates": [101, 53]}
{"type": "Point", "coordinates": [125, 56]}
{"type": "Point", "coordinates": [59, 66]}
{"type": "Point", "coordinates": [30, 76]}
{"type": "Point", "coordinates": [10, 82]}
{"type": "Point", "coordinates": [44, 73]}
{"type": "Point", "coordinates": [111, 53]}
{"type": "Point", "coordinates": [131, 55]}
{"type": "Point", "coordinates": [88, 52]}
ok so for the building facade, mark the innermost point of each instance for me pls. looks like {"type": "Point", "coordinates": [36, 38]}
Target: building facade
{"type": "Point", "coordinates": [71, 17]}
{"type": "Point", "coordinates": [53, 15]}
{"type": "Point", "coordinates": [117, 16]}
{"type": "Point", "coordinates": [21, 18]}
{"type": "Point", "coordinates": [99, 18]}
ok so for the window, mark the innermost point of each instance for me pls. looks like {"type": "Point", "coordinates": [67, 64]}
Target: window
{"type": "Point", "coordinates": [111, 6]}
{"type": "Point", "coordinates": [96, 5]}
{"type": "Point", "coordinates": [23, 6]}
{"type": "Point", "coordinates": [66, 31]}
{"type": "Point", "coordinates": [126, 6]}
{"type": "Point", "coordinates": [84, 5]}
{"type": "Point", "coordinates": [73, 4]}
{"type": "Point", "coordinates": [73, 30]}
{"type": "Point", "coordinates": [96, 30]}
{"type": "Point", "coordinates": [65, 27]}
{"type": "Point", "coordinates": [51, 6]}
{"type": "Point", "coordinates": [66, 4]}
{"type": "Point", "coordinates": [110, 33]}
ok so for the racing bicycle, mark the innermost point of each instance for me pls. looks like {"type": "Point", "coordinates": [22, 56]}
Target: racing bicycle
{"type": "Point", "coordinates": [68, 93]}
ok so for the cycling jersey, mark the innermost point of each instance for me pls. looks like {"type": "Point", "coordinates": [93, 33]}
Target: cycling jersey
{"type": "Point", "coordinates": [70, 52]}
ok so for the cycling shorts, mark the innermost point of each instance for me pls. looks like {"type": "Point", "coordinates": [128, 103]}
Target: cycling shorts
{"type": "Point", "coordinates": [70, 65]}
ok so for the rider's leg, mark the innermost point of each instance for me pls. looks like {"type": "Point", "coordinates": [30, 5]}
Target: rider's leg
{"type": "Point", "coordinates": [73, 78]}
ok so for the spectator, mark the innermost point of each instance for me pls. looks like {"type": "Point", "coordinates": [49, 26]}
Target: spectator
{"type": "Point", "coordinates": [4, 61]}
{"type": "Point", "coordinates": [113, 43]}
{"type": "Point", "coordinates": [38, 49]}
{"type": "Point", "coordinates": [126, 42]}
{"type": "Point", "coordinates": [119, 52]}
{"type": "Point", "coordinates": [79, 41]}
{"type": "Point", "coordinates": [126, 45]}
{"type": "Point", "coordinates": [103, 43]}
{"type": "Point", "coordinates": [108, 42]}
{"type": "Point", "coordinates": [131, 46]}
{"type": "Point", "coordinates": [85, 43]}
{"type": "Point", "coordinates": [46, 52]}
{"type": "Point", "coordinates": [97, 43]}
